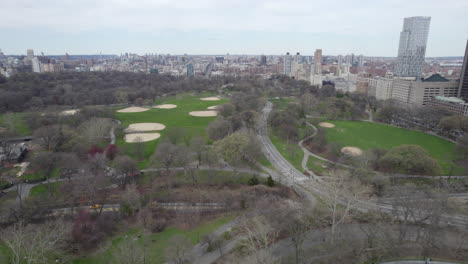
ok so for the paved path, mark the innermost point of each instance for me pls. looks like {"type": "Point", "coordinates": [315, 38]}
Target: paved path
{"type": "Point", "coordinates": [416, 262]}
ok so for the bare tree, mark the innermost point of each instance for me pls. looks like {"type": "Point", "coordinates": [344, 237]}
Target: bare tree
{"type": "Point", "coordinates": [178, 251]}
{"type": "Point", "coordinates": [342, 196]}
{"type": "Point", "coordinates": [259, 234]}
{"type": "Point", "coordinates": [34, 243]}
{"type": "Point", "coordinates": [127, 169]}
{"type": "Point", "coordinates": [165, 155]}
{"type": "Point", "coordinates": [129, 251]}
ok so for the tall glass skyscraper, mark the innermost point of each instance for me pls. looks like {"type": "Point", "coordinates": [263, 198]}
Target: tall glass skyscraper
{"type": "Point", "coordinates": [413, 41]}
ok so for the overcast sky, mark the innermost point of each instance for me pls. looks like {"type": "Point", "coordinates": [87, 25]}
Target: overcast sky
{"type": "Point", "coordinates": [369, 27]}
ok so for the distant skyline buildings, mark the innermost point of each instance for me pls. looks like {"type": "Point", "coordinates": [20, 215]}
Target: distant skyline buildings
{"type": "Point", "coordinates": [412, 47]}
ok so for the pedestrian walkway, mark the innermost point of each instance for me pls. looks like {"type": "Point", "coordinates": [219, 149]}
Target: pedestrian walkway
{"type": "Point", "coordinates": [417, 262]}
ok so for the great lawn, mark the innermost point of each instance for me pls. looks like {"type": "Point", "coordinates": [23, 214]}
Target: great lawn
{"type": "Point", "coordinates": [366, 135]}
{"type": "Point", "coordinates": [172, 118]}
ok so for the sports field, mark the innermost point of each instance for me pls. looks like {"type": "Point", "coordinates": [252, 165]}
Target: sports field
{"type": "Point", "coordinates": [171, 118]}
{"type": "Point", "coordinates": [366, 135]}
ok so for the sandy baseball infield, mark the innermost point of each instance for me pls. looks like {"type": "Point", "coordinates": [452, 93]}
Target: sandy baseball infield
{"type": "Point", "coordinates": [214, 107]}
{"type": "Point", "coordinates": [351, 151]}
{"type": "Point", "coordinates": [165, 106]}
{"type": "Point", "coordinates": [325, 124]}
{"type": "Point", "coordinates": [213, 98]}
{"type": "Point", "coordinates": [133, 109]}
{"type": "Point", "coordinates": [203, 113]}
{"type": "Point", "coordinates": [142, 127]}
{"type": "Point", "coordinates": [69, 112]}
{"type": "Point", "coordinates": [141, 137]}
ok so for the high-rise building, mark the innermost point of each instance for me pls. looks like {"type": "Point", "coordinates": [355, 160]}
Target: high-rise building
{"type": "Point", "coordinates": [463, 86]}
{"type": "Point", "coordinates": [36, 65]}
{"type": "Point", "coordinates": [360, 61]}
{"type": "Point", "coordinates": [318, 61]}
{"type": "Point", "coordinates": [30, 54]}
{"type": "Point", "coordinates": [298, 58]}
{"type": "Point", "coordinates": [412, 49]}
{"type": "Point", "coordinates": [190, 70]}
{"type": "Point", "coordinates": [263, 60]}
{"type": "Point", "coordinates": [287, 64]}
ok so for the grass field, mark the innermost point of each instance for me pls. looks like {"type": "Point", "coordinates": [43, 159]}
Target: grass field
{"type": "Point", "coordinates": [41, 190]}
{"type": "Point", "coordinates": [19, 122]}
{"type": "Point", "coordinates": [157, 242]}
{"type": "Point", "coordinates": [366, 135]}
{"type": "Point", "coordinates": [316, 165]}
{"type": "Point", "coordinates": [171, 118]}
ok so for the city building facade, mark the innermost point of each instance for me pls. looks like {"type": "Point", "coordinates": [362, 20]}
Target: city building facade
{"type": "Point", "coordinates": [412, 48]}
{"type": "Point", "coordinates": [463, 88]}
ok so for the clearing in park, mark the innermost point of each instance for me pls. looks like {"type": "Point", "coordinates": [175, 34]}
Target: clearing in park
{"type": "Point", "coordinates": [366, 135]}
{"type": "Point", "coordinates": [169, 116]}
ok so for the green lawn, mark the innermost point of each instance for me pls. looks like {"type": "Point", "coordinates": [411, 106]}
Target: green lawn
{"type": "Point", "coordinates": [171, 118]}
{"type": "Point", "coordinates": [366, 135]}
{"type": "Point", "coordinates": [316, 165]}
{"type": "Point", "coordinates": [157, 242]}
{"type": "Point", "coordinates": [4, 253]}
{"type": "Point", "coordinates": [282, 103]}
{"type": "Point", "coordinates": [19, 122]}
{"type": "Point", "coordinates": [42, 189]}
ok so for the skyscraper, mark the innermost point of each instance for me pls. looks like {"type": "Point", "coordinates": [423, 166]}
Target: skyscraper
{"type": "Point", "coordinates": [412, 49]}
{"type": "Point", "coordinates": [36, 65]}
{"type": "Point", "coordinates": [263, 60]}
{"type": "Point", "coordinates": [190, 70]}
{"type": "Point", "coordinates": [318, 61]}
{"type": "Point", "coordinates": [463, 86]}
{"type": "Point", "coordinates": [287, 64]}
{"type": "Point", "coordinates": [30, 54]}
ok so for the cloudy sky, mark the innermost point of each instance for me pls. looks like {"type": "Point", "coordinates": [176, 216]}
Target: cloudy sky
{"type": "Point", "coordinates": [369, 27]}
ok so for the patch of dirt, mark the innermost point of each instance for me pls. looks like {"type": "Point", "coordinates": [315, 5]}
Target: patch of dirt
{"type": "Point", "coordinates": [214, 107]}
{"type": "Point", "coordinates": [351, 151]}
{"type": "Point", "coordinates": [165, 106]}
{"type": "Point", "coordinates": [327, 125]}
{"type": "Point", "coordinates": [69, 112]}
{"type": "Point", "coordinates": [203, 113]}
{"type": "Point", "coordinates": [210, 99]}
{"type": "Point", "coordinates": [133, 109]}
{"type": "Point", "coordinates": [141, 137]}
{"type": "Point", "coordinates": [141, 127]}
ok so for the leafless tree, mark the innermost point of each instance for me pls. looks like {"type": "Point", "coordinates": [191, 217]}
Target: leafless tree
{"type": "Point", "coordinates": [34, 243]}
{"type": "Point", "coordinates": [129, 251]}
{"type": "Point", "coordinates": [178, 251]}
{"type": "Point", "coordinates": [343, 195]}
{"type": "Point", "coordinates": [259, 234]}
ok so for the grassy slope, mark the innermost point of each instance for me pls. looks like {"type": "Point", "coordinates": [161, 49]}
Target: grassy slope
{"type": "Point", "coordinates": [291, 152]}
{"type": "Point", "coordinates": [177, 117]}
{"type": "Point", "coordinates": [157, 241]}
{"type": "Point", "coordinates": [19, 122]}
{"type": "Point", "coordinates": [367, 135]}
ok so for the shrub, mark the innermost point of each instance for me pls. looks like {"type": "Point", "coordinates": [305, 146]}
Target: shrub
{"type": "Point", "coordinates": [270, 181]}
{"type": "Point", "coordinates": [253, 181]}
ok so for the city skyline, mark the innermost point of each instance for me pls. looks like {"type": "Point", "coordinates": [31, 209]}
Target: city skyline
{"type": "Point", "coordinates": [219, 27]}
